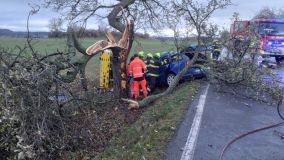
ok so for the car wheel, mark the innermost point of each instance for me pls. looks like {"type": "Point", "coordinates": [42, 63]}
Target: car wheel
{"type": "Point", "coordinates": [170, 78]}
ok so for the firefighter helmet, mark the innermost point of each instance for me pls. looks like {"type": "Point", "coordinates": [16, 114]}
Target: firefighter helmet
{"type": "Point", "coordinates": [149, 55]}
{"type": "Point", "coordinates": [141, 54]}
{"type": "Point", "coordinates": [158, 55]}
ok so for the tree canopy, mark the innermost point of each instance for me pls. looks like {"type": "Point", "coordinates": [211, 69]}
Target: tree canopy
{"type": "Point", "coordinates": [267, 12]}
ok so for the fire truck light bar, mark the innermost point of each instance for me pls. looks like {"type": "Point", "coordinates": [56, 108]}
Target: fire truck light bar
{"type": "Point", "coordinates": [275, 43]}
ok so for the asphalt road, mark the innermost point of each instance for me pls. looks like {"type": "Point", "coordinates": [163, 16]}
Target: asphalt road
{"type": "Point", "coordinates": [226, 116]}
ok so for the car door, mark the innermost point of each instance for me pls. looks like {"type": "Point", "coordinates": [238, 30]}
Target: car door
{"type": "Point", "coordinates": [176, 64]}
{"type": "Point", "coordinates": [164, 68]}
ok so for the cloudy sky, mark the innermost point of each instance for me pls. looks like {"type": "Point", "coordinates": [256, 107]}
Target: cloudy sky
{"type": "Point", "coordinates": [13, 13]}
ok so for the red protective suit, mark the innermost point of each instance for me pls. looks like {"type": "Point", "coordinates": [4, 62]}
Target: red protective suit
{"type": "Point", "coordinates": [136, 69]}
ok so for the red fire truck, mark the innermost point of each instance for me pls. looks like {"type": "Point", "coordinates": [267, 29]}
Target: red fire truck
{"type": "Point", "coordinates": [270, 33]}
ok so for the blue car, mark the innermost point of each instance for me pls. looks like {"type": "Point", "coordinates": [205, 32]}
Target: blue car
{"type": "Point", "coordinates": [175, 63]}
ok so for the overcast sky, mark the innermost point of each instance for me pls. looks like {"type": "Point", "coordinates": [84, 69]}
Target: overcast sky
{"type": "Point", "coordinates": [13, 13]}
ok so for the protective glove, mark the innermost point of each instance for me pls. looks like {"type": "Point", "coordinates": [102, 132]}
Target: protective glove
{"type": "Point", "coordinates": [130, 79]}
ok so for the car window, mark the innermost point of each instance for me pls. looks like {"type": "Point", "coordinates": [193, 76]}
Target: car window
{"type": "Point", "coordinates": [189, 49]}
{"type": "Point", "coordinates": [164, 57]}
{"type": "Point", "coordinates": [176, 58]}
{"type": "Point", "coordinates": [184, 57]}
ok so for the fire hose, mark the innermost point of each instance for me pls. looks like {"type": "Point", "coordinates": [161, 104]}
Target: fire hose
{"type": "Point", "coordinates": [254, 131]}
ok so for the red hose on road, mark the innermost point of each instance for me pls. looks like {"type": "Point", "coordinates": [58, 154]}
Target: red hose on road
{"type": "Point", "coordinates": [254, 131]}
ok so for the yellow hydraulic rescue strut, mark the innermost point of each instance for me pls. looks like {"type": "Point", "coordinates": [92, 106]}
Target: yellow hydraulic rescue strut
{"type": "Point", "coordinates": [104, 69]}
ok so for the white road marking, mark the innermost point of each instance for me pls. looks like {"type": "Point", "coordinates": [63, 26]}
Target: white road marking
{"type": "Point", "coordinates": [190, 144]}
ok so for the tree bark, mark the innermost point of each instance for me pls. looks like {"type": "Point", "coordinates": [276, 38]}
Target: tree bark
{"type": "Point", "coordinates": [123, 57]}
{"type": "Point", "coordinates": [120, 52]}
{"type": "Point", "coordinates": [113, 19]}
{"type": "Point", "coordinates": [119, 62]}
{"type": "Point", "coordinates": [78, 65]}
{"type": "Point", "coordinates": [116, 72]}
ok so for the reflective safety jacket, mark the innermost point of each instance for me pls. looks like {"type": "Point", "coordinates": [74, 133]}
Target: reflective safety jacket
{"type": "Point", "coordinates": [137, 68]}
{"type": "Point", "coordinates": [153, 66]}
{"type": "Point", "coordinates": [216, 47]}
{"type": "Point", "coordinates": [147, 61]}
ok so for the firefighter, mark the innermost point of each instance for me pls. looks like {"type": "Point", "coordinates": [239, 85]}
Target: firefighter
{"type": "Point", "coordinates": [149, 57]}
{"type": "Point", "coordinates": [253, 48]}
{"type": "Point", "coordinates": [137, 70]}
{"type": "Point", "coordinates": [130, 79]}
{"type": "Point", "coordinates": [141, 55]}
{"type": "Point", "coordinates": [153, 71]}
{"type": "Point", "coordinates": [254, 44]}
{"type": "Point", "coordinates": [148, 60]}
{"type": "Point", "coordinates": [216, 49]}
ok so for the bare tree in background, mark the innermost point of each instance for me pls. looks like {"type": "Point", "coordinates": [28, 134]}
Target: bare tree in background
{"type": "Point", "coordinates": [210, 33]}
{"type": "Point", "coordinates": [235, 16]}
{"type": "Point", "coordinates": [198, 13]}
{"type": "Point", "coordinates": [55, 28]}
{"type": "Point", "coordinates": [266, 12]}
{"type": "Point", "coordinates": [180, 33]}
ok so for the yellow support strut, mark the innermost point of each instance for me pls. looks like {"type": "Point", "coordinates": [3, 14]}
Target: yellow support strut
{"type": "Point", "coordinates": [104, 69]}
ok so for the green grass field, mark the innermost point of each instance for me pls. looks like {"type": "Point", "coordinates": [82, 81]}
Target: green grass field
{"type": "Point", "coordinates": [51, 45]}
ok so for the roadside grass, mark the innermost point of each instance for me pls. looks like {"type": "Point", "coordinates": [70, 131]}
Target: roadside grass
{"type": "Point", "coordinates": [148, 136]}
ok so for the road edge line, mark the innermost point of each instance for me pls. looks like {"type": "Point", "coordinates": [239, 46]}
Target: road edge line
{"type": "Point", "coordinates": [190, 144]}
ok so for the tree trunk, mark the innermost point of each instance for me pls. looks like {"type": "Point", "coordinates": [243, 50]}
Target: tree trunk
{"type": "Point", "coordinates": [83, 77]}
{"type": "Point", "coordinates": [116, 69]}
{"type": "Point", "coordinates": [79, 64]}
{"type": "Point", "coordinates": [119, 62]}
{"type": "Point", "coordinates": [123, 57]}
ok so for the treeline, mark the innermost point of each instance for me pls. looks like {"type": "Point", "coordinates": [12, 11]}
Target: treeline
{"type": "Point", "coordinates": [91, 33]}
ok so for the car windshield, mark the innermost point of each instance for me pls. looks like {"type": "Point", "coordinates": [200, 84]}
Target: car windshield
{"type": "Point", "coordinates": [270, 28]}
{"type": "Point", "coordinates": [176, 57]}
